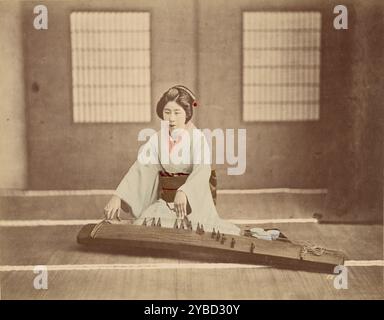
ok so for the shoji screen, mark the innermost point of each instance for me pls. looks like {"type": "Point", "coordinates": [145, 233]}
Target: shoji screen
{"type": "Point", "coordinates": [281, 66]}
{"type": "Point", "coordinates": [111, 66]}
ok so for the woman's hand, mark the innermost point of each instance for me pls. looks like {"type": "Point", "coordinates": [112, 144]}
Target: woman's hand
{"type": "Point", "coordinates": [112, 208]}
{"type": "Point", "coordinates": [180, 204]}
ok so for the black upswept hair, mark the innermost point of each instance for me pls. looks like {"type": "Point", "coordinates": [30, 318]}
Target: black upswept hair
{"type": "Point", "coordinates": [182, 96]}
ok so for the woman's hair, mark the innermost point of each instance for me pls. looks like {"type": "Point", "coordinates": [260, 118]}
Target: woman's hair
{"type": "Point", "coordinates": [182, 96]}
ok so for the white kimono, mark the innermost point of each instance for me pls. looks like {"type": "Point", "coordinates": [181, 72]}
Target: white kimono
{"type": "Point", "coordinates": [139, 187]}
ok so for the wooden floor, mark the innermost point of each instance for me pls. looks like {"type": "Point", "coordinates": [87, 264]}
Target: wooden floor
{"type": "Point", "coordinates": [120, 276]}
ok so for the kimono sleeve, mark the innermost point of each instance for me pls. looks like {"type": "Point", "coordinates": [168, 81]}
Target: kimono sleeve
{"type": "Point", "coordinates": [139, 186]}
{"type": "Point", "coordinates": [196, 186]}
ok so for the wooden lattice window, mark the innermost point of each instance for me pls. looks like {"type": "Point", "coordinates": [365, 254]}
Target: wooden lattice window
{"type": "Point", "coordinates": [281, 66]}
{"type": "Point", "coordinates": [111, 66]}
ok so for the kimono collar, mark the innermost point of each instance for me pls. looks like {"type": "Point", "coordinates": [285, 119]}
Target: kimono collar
{"type": "Point", "coordinates": [177, 135]}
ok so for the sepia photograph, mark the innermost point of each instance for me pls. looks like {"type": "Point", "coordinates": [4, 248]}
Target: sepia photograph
{"type": "Point", "coordinates": [189, 150]}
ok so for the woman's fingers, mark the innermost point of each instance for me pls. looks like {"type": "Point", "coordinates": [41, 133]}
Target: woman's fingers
{"type": "Point", "coordinates": [114, 213]}
{"type": "Point", "coordinates": [106, 212]}
{"type": "Point", "coordinates": [110, 214]}
{"type": "Point", "coordinates": [181, 210]}
{"type": "Point", "coordinates": [112, 209]}
{"type": "Point", "coordinates": [177, 210]}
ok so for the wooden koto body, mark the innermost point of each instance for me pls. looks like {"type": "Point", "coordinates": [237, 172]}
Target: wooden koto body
{"type": "Point", "coordinates": [221, 247]}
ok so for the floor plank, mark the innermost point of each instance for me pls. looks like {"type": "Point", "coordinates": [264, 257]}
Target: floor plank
{"type": "Point", "coordinates": [268, 283]}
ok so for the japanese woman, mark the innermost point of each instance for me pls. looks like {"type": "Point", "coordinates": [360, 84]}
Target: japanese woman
{"type": "Point", "coordinates": [179, 150]}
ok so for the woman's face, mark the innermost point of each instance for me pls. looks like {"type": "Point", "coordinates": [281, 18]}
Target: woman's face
{"type": "Point", "coordinates": [175, 114]}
